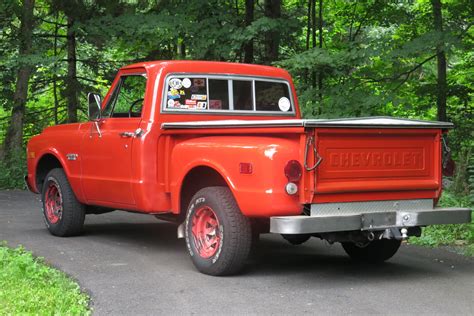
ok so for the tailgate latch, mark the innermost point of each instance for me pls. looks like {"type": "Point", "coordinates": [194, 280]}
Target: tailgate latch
{"type": "Point", "coordinates": [310, 143]}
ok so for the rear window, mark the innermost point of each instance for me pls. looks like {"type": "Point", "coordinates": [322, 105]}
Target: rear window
{"type": "Point", "coordinates": [225, 94]}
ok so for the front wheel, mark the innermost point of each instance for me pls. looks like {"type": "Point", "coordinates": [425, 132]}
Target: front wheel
{"type": "Point", "coordinates": [374, 252]}
{"type": "Point", "coordinates": [63, 214]}
{"type": "Point", "coordinates": [218, 236]}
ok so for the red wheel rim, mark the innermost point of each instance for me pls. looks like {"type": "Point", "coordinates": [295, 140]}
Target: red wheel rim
{"type": "Point", "coordinates": [206, 232]}
{"type": "Point", "coordinates": [53, 203]}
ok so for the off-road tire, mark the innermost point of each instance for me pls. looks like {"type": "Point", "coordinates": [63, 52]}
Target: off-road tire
{"type": "Point", "coordinates": [234, 229]}
{"type": "Point", "coordinates": [375, 252]}
{"type": "Point", "coordinates": [71, 221]}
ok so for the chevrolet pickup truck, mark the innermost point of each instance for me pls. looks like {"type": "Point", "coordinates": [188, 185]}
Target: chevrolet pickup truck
{"type": "Point", "coordinates": [221, 150]}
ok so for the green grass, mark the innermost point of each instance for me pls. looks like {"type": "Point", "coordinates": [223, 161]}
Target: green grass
{"type": "Point", "coordinates": [29, 286]}
{"type": "Point", "coordinates": [460, 235]}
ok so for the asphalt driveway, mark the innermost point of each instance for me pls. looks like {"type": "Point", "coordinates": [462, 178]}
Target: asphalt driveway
{"type": "Point", "coordinates": [133, 264]}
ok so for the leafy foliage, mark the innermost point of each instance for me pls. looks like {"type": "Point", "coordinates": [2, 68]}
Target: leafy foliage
{"type": "Point", "coordinates": [462, 234]}
{"type": "Point", "coordinates": [13, 171]}
{"type": "Point", "coordinates": [29, 286]}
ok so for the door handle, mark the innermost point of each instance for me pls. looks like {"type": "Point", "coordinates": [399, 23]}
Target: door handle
{"type": "Point", "coordinates": [127, 134]}
{"type": "Point", "coordinates": [137, 133]}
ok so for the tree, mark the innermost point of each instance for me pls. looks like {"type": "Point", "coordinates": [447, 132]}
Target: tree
{"type": "Point", "coordinates": [72, 85]}
{"type": "Point", "coordinates": [441, 57]}
{"type": "Point", "coordinates": [14, 138]}
{"type": "Point", "coordinates": [249, 16]}
{"type": "Point", "coordinates": [272, 37]}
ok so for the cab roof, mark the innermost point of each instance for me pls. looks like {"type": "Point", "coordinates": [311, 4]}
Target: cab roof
{"type": "Point", "coordinates": [216, 67]}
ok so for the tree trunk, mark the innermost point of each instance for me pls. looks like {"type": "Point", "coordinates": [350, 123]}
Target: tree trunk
{"type": "Point", "coordinates": [320, 74]}
{"type": "Point", "coordinates": [14, 137]}
{"type": "Point", "coordinates": [441, 56]}
{"type": "Point", "coordinates": [181, 48]}
{"type": "Point", "coordinates": [249, 15]}
{"type": "Point", "coordinates": [308, 33]}
{"type": "Point", "coordinates": [72, 85]}
{"type": "Point", "coordinates": [308, 25]}
{"type": "Point", "coordinates": [55, 77]}
{"type": "Point", "coordinates": [313, 37]}
{"type": "Point", "coordinates": [272, 38]}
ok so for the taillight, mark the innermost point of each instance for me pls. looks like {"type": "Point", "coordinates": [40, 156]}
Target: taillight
{"type": "Point", "coordinates": [293, 171]}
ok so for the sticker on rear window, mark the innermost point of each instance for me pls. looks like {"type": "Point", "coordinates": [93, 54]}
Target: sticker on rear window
{"type": "Point", "coordinates": [186, 83]}
{"type": "Point", "coordinates": [176, 84]}
{"type": "Point", "coordinates": [200, 97]}
{"type": "Point", "coordinates": [284, 104]}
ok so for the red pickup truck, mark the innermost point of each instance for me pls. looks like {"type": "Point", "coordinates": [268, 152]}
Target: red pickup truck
{"type": "Point", "coordinates": [221, 149]}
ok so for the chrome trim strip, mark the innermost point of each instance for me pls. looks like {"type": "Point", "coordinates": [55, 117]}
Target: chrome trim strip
{"type": "Point", "coordinates": [208, 98]}
{"type": "Point", "coordinates": [378, 121]}
{"type": "Point", "coordinates": [369, 221]}
{"type": "Point", "coordinates": [363, 122]}
{"type": "Point", "coordinates": [232, 124]}
{"type": "Point", "coordinates": [254, 97]}
{"type": "Point", "coordinates": [230, 91]}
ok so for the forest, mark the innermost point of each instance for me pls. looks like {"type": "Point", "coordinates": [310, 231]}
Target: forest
{"type": "Point", "coordinates": [348, 58]}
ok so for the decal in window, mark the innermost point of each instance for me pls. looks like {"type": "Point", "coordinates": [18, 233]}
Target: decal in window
{"type": "Point", "coordinates": [187, 93]}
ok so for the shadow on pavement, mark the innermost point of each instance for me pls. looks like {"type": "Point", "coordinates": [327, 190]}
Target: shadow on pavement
{"type": "Point", "coordinates": [273, 256]}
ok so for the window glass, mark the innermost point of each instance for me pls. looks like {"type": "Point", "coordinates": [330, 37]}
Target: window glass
{"type": "Point", "coordinates": [186, 93]}
{"type": "Point", "coordinates": [127, 98]}
{"type": "Point", "coordinates": [272, 96]}
{"type": "Point", "coordinates": [113, 97]}
{"type": "Point", "coordinates": [218, 94]}
{"type": "Point", "coordinates": [204, 93]}
{"type": "Point", "coordinates": [243, 99]}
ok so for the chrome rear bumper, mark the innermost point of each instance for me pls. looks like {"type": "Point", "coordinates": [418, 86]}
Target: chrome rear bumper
{"type": "Point", "coordinates": [368, 221]}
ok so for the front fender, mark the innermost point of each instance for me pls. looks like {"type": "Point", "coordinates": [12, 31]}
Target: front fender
{"type": "Point", "coordinates": [259, 194]}
{"type": "Point", "coordinates": [40, 146]}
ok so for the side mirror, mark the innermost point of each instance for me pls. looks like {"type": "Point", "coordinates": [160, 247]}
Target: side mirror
{"type": "Point", "coordinates": [94, 101]}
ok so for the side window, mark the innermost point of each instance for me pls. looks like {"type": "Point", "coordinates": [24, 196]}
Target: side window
{"type": "Point", "coordinates": [127, 98]}
{"type": "Point", "coordinates": [272, 96]}
{"type": "Point", "coordinates": [187, 93]}
{"type": "Point", "coordinates": [243, 96]}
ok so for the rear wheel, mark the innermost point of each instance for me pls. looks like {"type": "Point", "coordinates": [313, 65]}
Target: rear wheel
{"type": "Point", "coordinates": [376, 251]}
{"type": "Point", "coordinates": [218, 236]}
{"type": "Point", "coordinates": [63, 214]}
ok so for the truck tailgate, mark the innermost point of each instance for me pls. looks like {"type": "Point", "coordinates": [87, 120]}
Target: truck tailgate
{"type": "Point", "coordinates": [368, 164]}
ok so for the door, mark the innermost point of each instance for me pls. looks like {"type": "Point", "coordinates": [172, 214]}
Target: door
{"type": "Point", "coordinates": [107, 148]}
